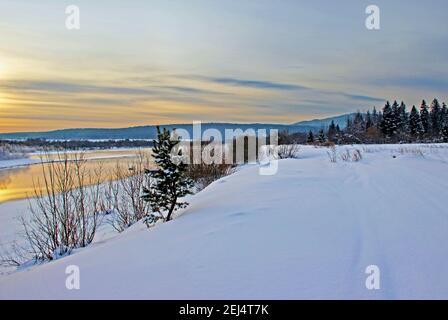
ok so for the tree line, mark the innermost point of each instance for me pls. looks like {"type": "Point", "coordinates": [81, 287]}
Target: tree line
{"type": "Point", "coordinates": [393, 124]}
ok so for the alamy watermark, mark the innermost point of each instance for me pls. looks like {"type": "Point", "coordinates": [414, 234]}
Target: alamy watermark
{"type": "Point", "coordinates": [73, 280]}
{"type": "Point", "coordinates": [373, 20]}
{"type": "Point", "coordinates": [374, 277]}
{"type": "Point", "coordinates": [237, 146]}
{"type": "Point", "coordinates": [73, 19]}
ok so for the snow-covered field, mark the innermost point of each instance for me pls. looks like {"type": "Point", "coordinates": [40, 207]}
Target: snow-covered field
{"type": "Point", "coordinates": [307, 232]}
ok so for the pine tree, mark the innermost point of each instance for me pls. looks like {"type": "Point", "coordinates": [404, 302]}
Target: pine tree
{"type": "Point", "coordinates": [170, 182]}
{"type": "Point", "coordinates": [435, 117]}
{"type": "Point", "coordinates": [359, 125]}
{"type": "Point", "coordinates": [395, 119]}
{"type": "Point", "coordinates": [445, 133]}
{"type": "Point", "coordinates": [349, 124]}
{"type": "Point", "coordinates": [444, 113]}
{"type": "Point", "coordinates": [310, 138]}
{"type": "Point", "coordinates": [321, 137]}
{"type": "Point", "coordinates": [387, 123]}
{"type": "Point", "coordinates": [444, 117]}
{"type": "Point", "coordinates": [379, 120]}
{"type": "Point", "coordinates": [415, 125]}
{"type": "Point", "coordinates": [403, 119]}
{"type": "Point", "coordinates": [375, 117]}
{"type": "Point", "coordinates": [331, 131]}
{"type": "Point", "coordinates": [338, 134]}
{"type": "Point", "coordinates": [369, 121]}
{"type": "Point", "coordinates": [424, 117]}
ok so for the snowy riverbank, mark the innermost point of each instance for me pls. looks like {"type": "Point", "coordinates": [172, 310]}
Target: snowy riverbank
{"type": "Point", "coordinates": [307, 232]}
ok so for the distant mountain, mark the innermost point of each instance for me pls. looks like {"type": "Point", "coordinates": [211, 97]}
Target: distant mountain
{"type": "Point", "coordinates": [324, 123]}
{"type": "Point", "coordinates": [149, 132]}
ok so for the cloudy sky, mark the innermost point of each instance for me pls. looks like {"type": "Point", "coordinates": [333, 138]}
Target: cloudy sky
{"type": "Point", "coordinates": [174, 61]}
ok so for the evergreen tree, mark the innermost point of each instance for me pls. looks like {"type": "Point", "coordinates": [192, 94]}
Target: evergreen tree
{"type": "Point", "coordinates": [321, 137]}
{"type": "Point", "coordinates": [415, 125]}
{"type": "Point", "coordinates": [359, 125]}
{"type": "Point", "coordinates": [403, 119]}
{"type": "Point", "coordinates": [369, 121]}
{"type": "Point", "coordinates": [387, 123]}
{"type": "Point", "coordinates": [349, 124]}
{"type": "Point", "coordinates": [445, 133]}
{"type": "Point", "coordinates": [424, 117]}
{"type": "Point", "coordinates": [444, 117]}
{"type": "Point", "coordinates": [375, 117]}
{"type": "Point", "coordinates": [170, 181]}
{"type": "Point", "coordinates": [310, 138]}
{"type": "Point", "coordinates": [380, 120]}
{"type": "Point", "coordinates": [435, 117]}
{"type": "Point", "coordinates": [332, 131]}
{"type": "Point", "coordinates": [444, 113]}
{"type": "Point", "coordinates": [395, 118]}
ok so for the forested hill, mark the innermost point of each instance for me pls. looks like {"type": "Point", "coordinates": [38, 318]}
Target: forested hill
{"type": "Point", "coordinates": [149, 132]}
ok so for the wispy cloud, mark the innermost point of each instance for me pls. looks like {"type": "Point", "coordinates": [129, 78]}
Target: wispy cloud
{"type": "Point", "coordinates": [183, 89]}
{"type": "Point", "coordinates": [69, 87]}
{"type": "Point", "coordinates": [363, 98]}
{"type": "Point", "coordinates": [257, 84]}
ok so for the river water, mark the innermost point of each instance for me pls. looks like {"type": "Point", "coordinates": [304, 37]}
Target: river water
{"type": "Point", "coordinates": [20, 182]}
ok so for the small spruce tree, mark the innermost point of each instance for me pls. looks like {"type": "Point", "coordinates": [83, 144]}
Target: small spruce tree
{"type": "Point", "coordinates": [387, 122]}
{"type": "Point", "coordinates": [424, 117]}
{"type": "Point", "coordinates": [445, 133]}
{"type": "Point", "coordinates": [444, 115]}
{"type": "Point", "coordinates": [435, 117]}
{"type": "Point", "coordinates": [369, 121]}
{"type": "Point", "coordinates": [170, 182]}
{"type": "Point", "coordinates": [331, 131]}
{"type": "Point", "coordinates": [415, 125]}
{"type": "Point", "coordinates": [321, 138]}
{"type": "Point", "coordinates": [310, 138]}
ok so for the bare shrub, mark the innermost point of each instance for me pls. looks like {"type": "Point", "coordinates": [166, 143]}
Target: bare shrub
{"type": "Point", "coordinates": [290, 151]}
{"type": "Point", "coordinates": [203, 172]}
{"type": "Point", "coordinates": [123, 192]}
{"type": "Point", "coordinates": [348, 156]}
{"type": "Point", "coordinates": [411, 151]}
{"type": "Point", "coordinates": [14, 255]}
{"type": "Point", "coordinates": [357, 156]}
{"type": "Point", "coordinates": [332, 154]}
{"type": "Point", "coordinates": [65, 212]}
